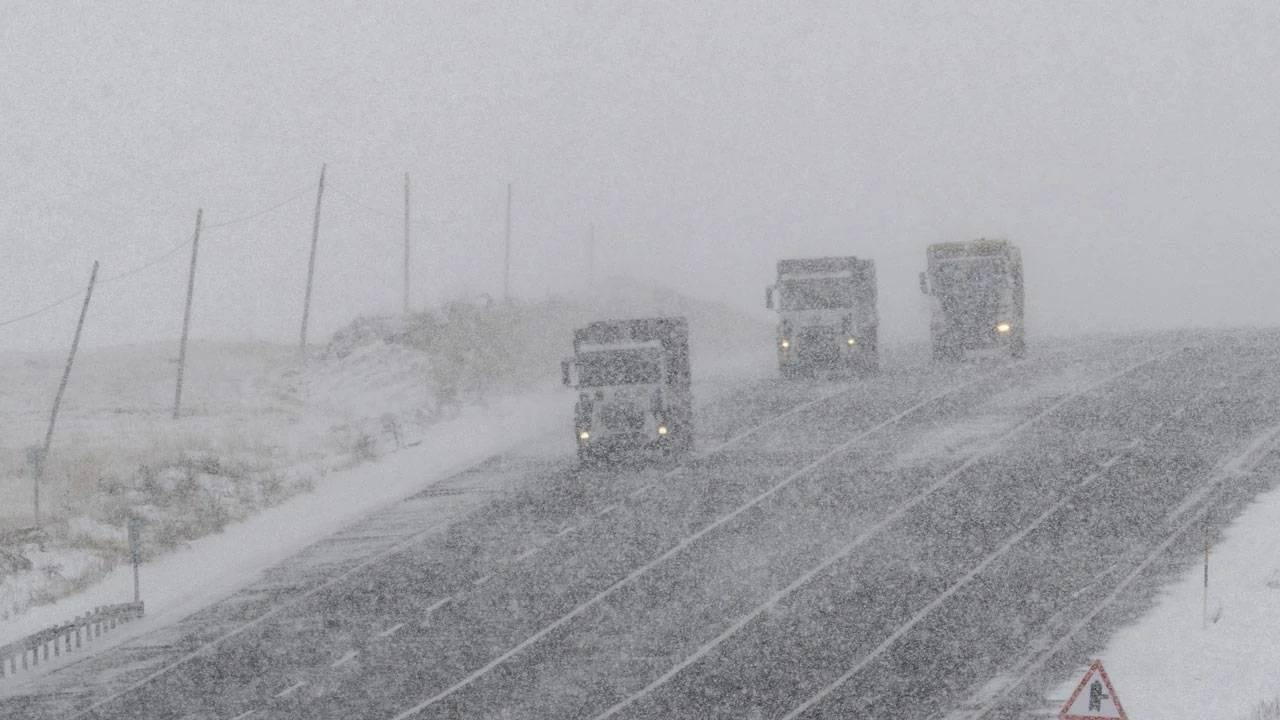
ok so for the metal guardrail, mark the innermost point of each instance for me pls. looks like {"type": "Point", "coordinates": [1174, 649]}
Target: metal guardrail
{"type": "Point", "coordinates": [29, 652]}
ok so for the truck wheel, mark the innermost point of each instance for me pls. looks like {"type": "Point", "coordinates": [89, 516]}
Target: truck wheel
{"type": "Point", "coordinates": [1018, 349]}
{"type": "Point", "coordinates": [871, 363]}
{"type": "Point", "coordinates": [944, 351]}
{"type": "Point", "coordinates": [872, 357]}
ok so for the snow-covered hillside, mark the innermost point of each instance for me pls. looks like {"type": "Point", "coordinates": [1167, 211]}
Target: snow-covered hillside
{"type": "Point", "coordinates": [260, 425]}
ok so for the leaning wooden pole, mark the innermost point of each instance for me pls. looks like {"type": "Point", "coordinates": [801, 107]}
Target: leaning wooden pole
{"type": "Point", "coordinates": [406, 243]}
{"type": "Point", "coordinates": [311, 264]}
{"type": "Point", "coordinates": [62, 386]}
{"type": "Point", "coordinates": [186, 316]}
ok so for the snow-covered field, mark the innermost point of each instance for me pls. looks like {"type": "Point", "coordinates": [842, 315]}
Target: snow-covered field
{"type": "Point", "coordinates": [260, 426]}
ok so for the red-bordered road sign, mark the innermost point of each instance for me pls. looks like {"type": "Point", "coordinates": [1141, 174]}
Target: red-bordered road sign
{"type": "Point", "coordinates": [1094, 698]}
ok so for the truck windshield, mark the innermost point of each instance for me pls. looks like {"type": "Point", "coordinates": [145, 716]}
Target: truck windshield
{"type": "Point", "coordinates": [970, 277]}
{"type": "Point", "coordinates": [619, 367]}
{"type": "Point", "coordinates": [816, 293]}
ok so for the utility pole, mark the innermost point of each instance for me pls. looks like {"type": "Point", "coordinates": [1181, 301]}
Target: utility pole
{"type": "Point", "coordinates": [406, 243]}
{"type": "Point", "coordinates": [1204, 603]}
{"type": "Point", "coordinates": [186, 316]}
{"type": "Point", "coordinates": [506, 266]}
{"type": "Point", "coordinates": [311, 264]}
{"type": "Point", "coordinates": [43, 454]}
{"type": "Point", "coordinates": [135, 531]}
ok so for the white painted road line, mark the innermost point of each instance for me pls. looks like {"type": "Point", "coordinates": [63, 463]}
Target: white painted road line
{"type": "Point", "coordinates": [687, 541]}
{"type": "Point", "coordinates": [863, 538]}
{"type": "Point", "coordinates": [244, 715]}
{"type": "Point", "coordinates": [564, 529]}
{"type": "Point", "coordinates": [1111, 461]}
{"type": "Point", "coordinates": [482, 579]}
{"type": "Point", "coordinates": [527, 553]}
{"type": "Point", "coordinates": [289, 689]}
{"type": "Point", "coordinates": [438, 604]}
{"type": "Point", "coordinates": [390, 631]}
{"type": "Point", "coordinates": [607, 510]}
{"type": "Point", "coordinates": [345, 659]}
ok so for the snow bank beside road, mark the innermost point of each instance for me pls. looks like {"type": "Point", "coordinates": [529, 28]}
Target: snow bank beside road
{"type": "Point", "coordinates": [305, 437]}
{"type": "Point", "coordinates": [182, 581]}
{"type": "Point", "coordinates": [1173, 664]}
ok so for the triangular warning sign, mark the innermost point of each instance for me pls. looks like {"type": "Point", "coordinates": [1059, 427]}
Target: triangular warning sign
{"type": "Point", "coordinates": [1094, 698]}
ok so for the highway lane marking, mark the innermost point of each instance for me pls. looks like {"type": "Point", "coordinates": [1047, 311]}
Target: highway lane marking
{"type": "Point", "coordinates": [289, 689]}
{"type": "Point", "coordinates": [390, 631]}
{"type": "Point", "coordinates": [1156, 428]}
{"type": "Point", "coordinates": [1043, 642]}
{"type": "Point", "coordinates": [1111, 461]}
{"type": "Point", "coordinates": [438, 604]}
{"type": "Point", "coordinates": [393, 549]}
{"type": "Point", "coordinates": [352, 655]}
{"type": "Point", "coordinates": [865, 537]}
{"type": "Point", "coordinates": [937, 602]}
{"type": "Point", "coordinates": [1133, 444]}
{"type": "Point", "coordinates": [204, 650]}
{"type": "Point", "coordinates": [1252, 455]}
{"type": "Point", "coordinates": [680, 546]}
{"type": "Point", "coordinates": [244, 715]}
{"type": "Point", "coordinates": [482, 580]}
{"type": "Point", "coordinates": [527, 554]}
{"type": "Point", "coordinates": [1110, 598]}
{"type": "Point", "coordinates": [607, 510]}
{"type": "Point", "coordinates": [564, 529]}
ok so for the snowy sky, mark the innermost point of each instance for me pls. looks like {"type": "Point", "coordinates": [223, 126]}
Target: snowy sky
{"type": "Point", "coordinates": [1129, 148]}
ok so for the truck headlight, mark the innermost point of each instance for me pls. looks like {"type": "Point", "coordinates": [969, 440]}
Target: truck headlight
{"type": "Point", "coordinates": [785, 343]}
{"type": "Point", "coordinates": [851, 342]}
{"type": "Point", "coordinates": [1003, 328]}
{"type": "Point", "coordinates": [584, 435]}
{"type": "Point", "coordinates": [662, 429]}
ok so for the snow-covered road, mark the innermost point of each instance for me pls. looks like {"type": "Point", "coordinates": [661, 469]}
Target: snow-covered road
{"type": "Point", "coordinates": [934, 542]}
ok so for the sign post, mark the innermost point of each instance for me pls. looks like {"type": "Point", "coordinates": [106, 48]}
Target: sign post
{"type": "Point", "coordinates": [135, 527]}
{"type": "Point", "coordinates": [1094, 698]}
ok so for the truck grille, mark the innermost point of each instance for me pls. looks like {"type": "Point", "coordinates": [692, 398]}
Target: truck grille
{"type": "Point", "coordinates": [818, 344]}
{"type": "Point", "coordinates": [622, 418]}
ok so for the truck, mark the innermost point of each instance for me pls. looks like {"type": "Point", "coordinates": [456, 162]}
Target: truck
{"type": "Point", "coordinates": [827, 315]}
{"type": "Point", "coordinates": [977, 298]}
{"type": "Point", "coordinates": [634, 391]}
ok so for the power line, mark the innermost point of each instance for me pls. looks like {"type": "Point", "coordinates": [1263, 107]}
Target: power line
{"type": "Point", "coordinates": [120, 276]}
{"type": "Point", "coordinates": [358, 203]}
{"type": "Point", "coordinates": [154, 261]}
{"type": "Point", "coordinates": [304, 191]}
{"type": "Point", "coordinates": [44, 309]}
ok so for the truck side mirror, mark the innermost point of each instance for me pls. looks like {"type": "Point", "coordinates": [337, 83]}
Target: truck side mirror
{"type": "Point", "coordinates": [564, 373]}
{"type": "Point", "coordinates": [924, 284]}
{"type": "Point", "coordinates": [768, 297]}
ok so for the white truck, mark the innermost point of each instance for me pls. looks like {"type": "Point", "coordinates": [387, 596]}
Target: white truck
{"type": "Point", "coordinates": [634, 389]}
{"type": "Point", "coordinates": [977, 298]}
{"type": "Point", "coordinates": [827, 315]}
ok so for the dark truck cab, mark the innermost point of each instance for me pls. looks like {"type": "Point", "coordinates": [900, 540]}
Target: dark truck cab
{"type": "Point", "coordinates": [977, 298]}
{"type": "Point", "coordinates": [827, 315]}
{"type": "Point", "coordinates": [634, 390]}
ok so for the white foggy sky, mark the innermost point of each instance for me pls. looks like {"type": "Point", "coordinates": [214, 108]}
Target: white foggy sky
{"type": "Point", "coordinates": [1129, 148]}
